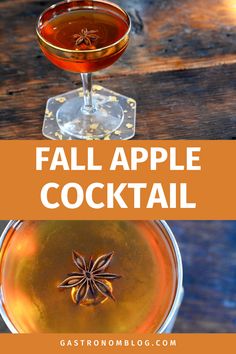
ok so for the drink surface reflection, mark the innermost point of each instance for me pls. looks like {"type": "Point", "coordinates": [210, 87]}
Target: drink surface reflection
{"type": "Point", "coordinates": [86, 32]}
{"type": "Point", "coordinates": [36, 257]}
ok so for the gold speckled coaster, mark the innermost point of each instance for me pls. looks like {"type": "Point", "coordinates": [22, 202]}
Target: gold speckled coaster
{"type": "Point", "coordinates": [124, 132]}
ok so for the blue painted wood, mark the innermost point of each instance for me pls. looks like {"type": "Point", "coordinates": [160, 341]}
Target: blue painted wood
{"type": "Point", "coordinates": [209, 257]}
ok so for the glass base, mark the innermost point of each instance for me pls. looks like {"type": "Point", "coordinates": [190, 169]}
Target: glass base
{"type": "Point", "coordinates": [105, 119]}
{"type": "Point", "coordinates": [114, 118]}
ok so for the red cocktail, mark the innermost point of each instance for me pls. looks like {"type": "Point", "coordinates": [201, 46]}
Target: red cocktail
{"type": "Point", "coordinates": [86, 36]}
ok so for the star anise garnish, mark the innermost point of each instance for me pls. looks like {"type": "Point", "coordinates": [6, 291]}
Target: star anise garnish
{"type": "Point", "coordinates": [86, 37]}
{"type": "Point", "coordinates": [91, 278]}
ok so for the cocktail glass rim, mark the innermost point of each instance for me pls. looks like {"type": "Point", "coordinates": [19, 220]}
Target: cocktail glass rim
{"type": "Point", "coordinates": [179, 289]}
{"type": "Point", "coordinates": [75, 50]}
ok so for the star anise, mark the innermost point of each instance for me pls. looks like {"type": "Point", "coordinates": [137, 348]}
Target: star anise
{"type": "Point", "coordinates": [86, 37]}
{"type": "Point", "coordinates": [91, 278]}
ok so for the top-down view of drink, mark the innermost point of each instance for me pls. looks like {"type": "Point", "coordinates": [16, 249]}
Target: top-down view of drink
{"type": "Point", "coordinates": [117, 276]}
{"type": "Point", "coordinates": [90, 276]}
{"type": "Point", "coordinates": [84, 37]}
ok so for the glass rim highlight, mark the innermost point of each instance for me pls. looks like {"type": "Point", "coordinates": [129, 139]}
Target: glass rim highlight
{"type": "Point", "coordinates": [89, 7]}
{"type": "Point", "coordinates": [179, 273]}
{"type": "Point", "coordinates": [167, 232]}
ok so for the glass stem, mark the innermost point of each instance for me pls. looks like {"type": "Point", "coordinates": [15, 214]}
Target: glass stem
{"type": "Point", "coordinates": [88, 106]}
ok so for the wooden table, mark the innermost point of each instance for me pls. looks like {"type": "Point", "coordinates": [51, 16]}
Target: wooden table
{"type": "Point", "coordinates": [180, 67]}
{"type": "Point", "coordinates": [209, 257]}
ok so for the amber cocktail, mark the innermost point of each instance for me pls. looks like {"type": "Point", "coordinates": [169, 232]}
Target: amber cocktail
{"type": "Point", "coordinates": [89, 276]}
{"type": "Point", "coordinates": [84, 37]}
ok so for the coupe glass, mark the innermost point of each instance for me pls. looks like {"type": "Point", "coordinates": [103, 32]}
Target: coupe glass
{"type": "Point", "coordinates": [84, 37]}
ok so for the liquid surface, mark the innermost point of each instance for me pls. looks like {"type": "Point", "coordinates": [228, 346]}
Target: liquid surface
{"type": "Point", "coordinates": [61, 30]}
{"type": "Point", "coordinates": [36, 257]}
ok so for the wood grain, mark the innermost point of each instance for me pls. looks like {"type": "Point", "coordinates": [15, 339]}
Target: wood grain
{"type": "Point", "coordinates": [191, 104]}
{"type": "Point", "coordinates": [209, 257]}
{"type": "Point", "coordinates": [167, 36]}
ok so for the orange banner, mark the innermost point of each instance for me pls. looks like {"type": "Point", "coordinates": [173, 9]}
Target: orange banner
{"type": "Point", "coordinates": [111, 343]}
{"type": "Point", "coordinates": [118, 180]}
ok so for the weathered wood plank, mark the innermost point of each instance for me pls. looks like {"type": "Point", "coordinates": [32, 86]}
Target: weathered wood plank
{"type": "Point", "coordinates": [196, 104]}
{"type": "Point", "coordinates": [167, 35]}
{"type": "Point", "coordinates": [190, 104]}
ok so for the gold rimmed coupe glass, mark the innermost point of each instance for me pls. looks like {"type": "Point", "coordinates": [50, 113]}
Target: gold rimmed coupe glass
{"type": "Point", "coordinates": [84, 37]}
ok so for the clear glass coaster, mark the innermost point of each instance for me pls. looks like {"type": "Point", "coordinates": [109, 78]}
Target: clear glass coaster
{"type": "Point", "coordinates": [117, 114]}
